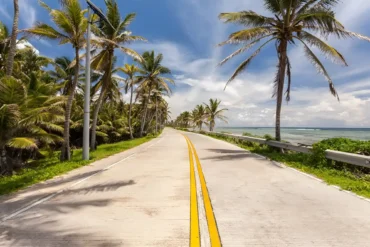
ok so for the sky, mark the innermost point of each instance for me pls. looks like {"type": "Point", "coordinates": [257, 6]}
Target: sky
{"type": "Point", "coordinates": [187, 32]}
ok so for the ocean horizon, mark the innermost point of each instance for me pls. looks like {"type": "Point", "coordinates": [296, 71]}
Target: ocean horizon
{"type": "Point", "coordinates": [304, 135]}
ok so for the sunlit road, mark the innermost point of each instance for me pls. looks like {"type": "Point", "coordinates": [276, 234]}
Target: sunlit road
{"type": "Point", "coordinates": [155, 195]}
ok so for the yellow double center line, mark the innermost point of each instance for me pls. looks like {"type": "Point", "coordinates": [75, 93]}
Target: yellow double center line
{"type": "Point", "coordinates": [194, 215]}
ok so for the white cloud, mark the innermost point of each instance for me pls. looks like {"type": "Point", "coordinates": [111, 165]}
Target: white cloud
{"type": "Point", "coordinates": [25, 44]}
{"type": "Point", "coordinates": [27, 12]}
{"type": "Point", "coordinates": [4, 10]}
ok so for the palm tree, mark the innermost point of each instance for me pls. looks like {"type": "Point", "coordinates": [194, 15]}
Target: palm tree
{"type": "Point", "coordinates": [13, 40]}
{"type": "Point", "coordinates": [108, 38]}
{"type": "Point", "coordinates": [213, 112]}
{"type": "Point", "coordinates": [72, 26]}
{"type": "Point", "coordinates": [200, 116]}
{"type": "Point", "coordinates": [151, 71]}
{"type": "Point", "coordinates": [291, 21]}
{"type": "Point", "coordinates": [130, 71]}
{"type": "Point", "coordinates": [29, 61]}
{"type": "Point", "coordinates": [63, 73]}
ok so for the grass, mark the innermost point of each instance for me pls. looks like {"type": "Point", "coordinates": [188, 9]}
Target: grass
{"type": "Point", "coordinates": [44, 169]}
{"type": "Point", "coordinates": [350, 180]}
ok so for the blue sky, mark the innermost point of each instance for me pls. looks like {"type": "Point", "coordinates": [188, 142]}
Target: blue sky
{"type": "Point", "coordinates": [187, 32]}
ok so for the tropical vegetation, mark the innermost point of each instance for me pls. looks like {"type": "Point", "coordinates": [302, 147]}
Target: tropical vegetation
{"type": "Point", "coordinates": [42, 99]}
{"type": "Point", "coordinates": [291, 22]}
{"type": "Point", "coordinates": [202, 114]}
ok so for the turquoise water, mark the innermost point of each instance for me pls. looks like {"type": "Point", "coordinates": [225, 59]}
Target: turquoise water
{"type": "Point", "coordinates": [304, 135]}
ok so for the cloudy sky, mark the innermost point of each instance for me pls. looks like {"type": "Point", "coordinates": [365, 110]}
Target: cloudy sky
{"type": "Point", "coordinates": [187, 32]}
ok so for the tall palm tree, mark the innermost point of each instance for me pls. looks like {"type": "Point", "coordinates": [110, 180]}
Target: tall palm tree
{"type": "Point", "coordinates": [13, 40]}
{"type": "Point", "coordinates": [130, 71]}
{"type": "Point", "coordinates": [72, 26]}
{"type": "Point", "coordinates": [151, 71]}
{"type": "Point", "coordinates": [291, 21]}
{"type": "Point", "coordinates": [213, 112]}
{"type": "Point", "coordinates": [108, 38]}
{"type": "Point", "coordinates": [158, 94]}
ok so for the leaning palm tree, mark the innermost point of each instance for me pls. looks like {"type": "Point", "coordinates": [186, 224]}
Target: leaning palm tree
{"type": "Point", "coordinates": [292, 21]}
{"type": "Point", "coordinates": [213, 112]}
{"type": "Point", "coordinates": [108, 38]}
{"type": "Point", "coordinates": [13, 40]}
{"type": "Point", "coordinates": [151, 71]}
{"type": "Point", "coordinates": [72, 26]}
{"type": "Point", "coordinates": [130, 71]}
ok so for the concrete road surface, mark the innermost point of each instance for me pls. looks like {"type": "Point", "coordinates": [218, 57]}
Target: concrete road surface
{"type": "Point", "coordinates": [143, 197]}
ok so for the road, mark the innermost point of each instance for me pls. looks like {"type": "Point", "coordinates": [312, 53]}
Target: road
{"type": "Point", "coordinates": [155, 195]}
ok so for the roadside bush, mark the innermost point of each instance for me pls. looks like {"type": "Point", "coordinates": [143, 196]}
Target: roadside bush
{"type": "Point", "coordinates": [342, 145]}
{"type": "Point", "coordinates": [269, 137]}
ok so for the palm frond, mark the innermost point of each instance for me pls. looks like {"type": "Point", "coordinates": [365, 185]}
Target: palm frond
{"type": "Point", "coordinates": [247, 18]}
{"type": "Point", "coordinates": [289, 75]}
{"type": "Point", "coordinates": [22, 143]}
{"type": "Point", "coordinates": [320, 68]}
{"type": "Point", "coordinates": [327, 50]}
{"type": "Point", "coordinates": [247, 35]}
{"type": "Point", "coordinates": [245, 64]}
{"type": "Point", "coordinates": [243, 49]}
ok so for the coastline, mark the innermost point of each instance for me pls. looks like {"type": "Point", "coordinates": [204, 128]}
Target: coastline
{"type": "Point", "coordinates": [303, 135]}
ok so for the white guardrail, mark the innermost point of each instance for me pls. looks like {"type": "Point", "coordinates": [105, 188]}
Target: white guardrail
{"type": "Point", "coordinates": [350, 158]}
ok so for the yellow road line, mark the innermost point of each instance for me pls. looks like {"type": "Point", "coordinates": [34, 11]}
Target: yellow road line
{"type": "Point", "coordinates": [194, 216]}
{"type": "Point", "coordinates": [211, 220]}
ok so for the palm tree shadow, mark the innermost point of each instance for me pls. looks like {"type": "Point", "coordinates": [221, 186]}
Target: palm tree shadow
{"type": "Point", "coordinates": [24, 230]}
{"type": "Point", "coordinates": [231, 154]}
{"type": "Point", "coordinates": [45, 235]}
{"type": "Point", "coordinates": [226, 151]}
{"type": "Point", "coordinates": [13, 205]}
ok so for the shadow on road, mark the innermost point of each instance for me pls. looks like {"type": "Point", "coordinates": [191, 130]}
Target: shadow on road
{"type": "Point", "coordinates": [33, 228]}
{"type": "Point", "coordinates": [227, 151]}
{"type": "Point", "coordinates": [230, 154]}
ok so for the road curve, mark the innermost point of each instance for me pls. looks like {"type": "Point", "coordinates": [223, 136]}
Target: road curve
{"type": "Point", "coordinates": [142, 198]}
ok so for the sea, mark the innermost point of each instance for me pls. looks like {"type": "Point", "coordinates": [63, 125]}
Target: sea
{"type": "Point", "coordinates": [301, 135]}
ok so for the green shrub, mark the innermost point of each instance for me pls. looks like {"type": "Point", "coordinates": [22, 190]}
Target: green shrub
{"type": "Point", "coordinates": [269, 137]}
{"type": "Point", "coordinates": [342, 145]}
{"type": "Point", "coordinates": [247, 134]}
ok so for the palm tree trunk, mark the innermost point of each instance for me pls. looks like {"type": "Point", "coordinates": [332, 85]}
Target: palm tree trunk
{"type": "Point", "coordinates": [66, 149]}
{"type": "Point", "coordinates": [280, 85]}
{"type": "Point", "coordinates": [200, 126]}
{"type": "Point", "coordinates": [13, 40]}
{"type": "Point", "coordinates": [156, 115]}
{"type": "Point", "coordinates": [3, 161]}
{"type": "Point", "coordinates": [106, 80]}
{"type": "Point", "coordinates": [95, 118]}
{"type": "Point", "coordinates": [130, 112]}
{"type": "Point", "coordinates": [145, 113]}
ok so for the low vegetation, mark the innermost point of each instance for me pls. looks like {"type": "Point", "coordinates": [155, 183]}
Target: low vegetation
{"type": "Point", "coordinates": [44, 169]}
{"type": "Point", "coordinates": [346, 176]}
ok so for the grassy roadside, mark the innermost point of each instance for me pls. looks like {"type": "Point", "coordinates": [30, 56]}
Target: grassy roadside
{"type": "Point", "coordinates": [350, 180]}
{"type": "Point", "coordinates": [48, 168]}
